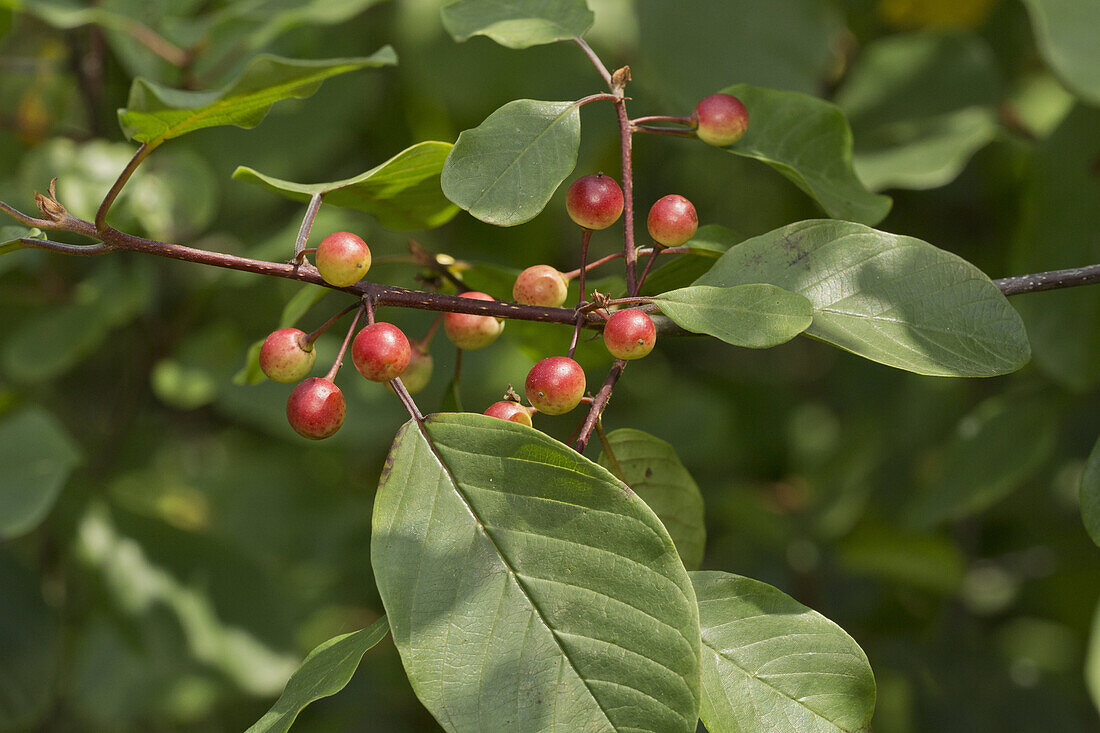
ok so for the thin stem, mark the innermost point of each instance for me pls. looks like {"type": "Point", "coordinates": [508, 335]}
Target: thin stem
{"type": "Point", "coordinates": [314, 335]}
{"type": "Point", "coordinates": [595, 98]}
{"type": "Point", "coordinates": [586, 237]}
{"type": "Point", "coordinates": [628, 198]}
{"type": "Point", "coordinates": [616, 467]}
{"type": "Point", "coordinates": [344, 347]}
{"type": "Point", "coordinates": [101, 214]}
{"type": "Point", "coordinates": [648, 266]}
{"type": "Point", "coordinates": [422, 255]}
{"type": "Point", "coordinates": [616, 255]}
{"type": "Point", "coordinates": [649, 130]}
{"type": "Point", "coordinates": [77, 250]}
{"type": "Point", "coordinates": [598, 405]}
{"type": "Point", "coordinates": [594, 59]}
{"type": "Point", "coordinates": [1051, 280]}
{"type": "Point", "coordinates": [662, 118]}
{"type": "Point", "coordinates": [458, 367]}
{"type": "Point", "coordinates": [368, 303]}
{"type": "Point", "coordinates": [158, 44]}
{"type": "Point", "coordinates": [307, 225]}
{"type": "Point", "coordinates": [406, 400]}
{"type": "Point", "coordinates": [576, 335]}
{"type": "Point", "coordinates": [426, 341]}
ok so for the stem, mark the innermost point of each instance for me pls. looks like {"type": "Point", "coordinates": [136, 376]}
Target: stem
{"type": "Point", "coordinates": [101, 215]}
{"type": "Point", "coordinates": [369, 305]}
{"type": "Point", "coordinates": [662, 118]}
{"type": "Point", "coordinates": [78, 250]}
{"type": "Point", "coordinates": [662, 131]}
{"type": "Point", "coordinates": [628, 197]}
{"type": "Point", "coordinates": [594, 59]}
{"type": "Point", "coordinates": [344, 347]}
{"type": "Point", "coordinates": [423, 344]}
{"type": "Point", "coordinates": [314, 335]}
{"type": "Point", "coordinates": [616, 467]}
{"type": "Point", "coordinates": [1051, 280]}
{"type": "Point", "coordinates": [586, 237]}
{"type": "Point", "coordinates": [616, 255]}
{"type": "Point", "coordinates": [307, 224]}
{"type": "Point", "coordinates": [406, 400]}
{"type": "Point", "coordinates": [594, 98]}
{"type": "Point", "coordinates": [598, 405]}
{"type": "Point", "coordinates": [158, 44]}
{"type": "Point", "coordinates": [648, 265]}
{"type": "Point", "coordinates": [458, 367]}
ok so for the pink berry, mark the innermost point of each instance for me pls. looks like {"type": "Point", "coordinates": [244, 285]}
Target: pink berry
{"type": "Point", "coordinates": [509, 410]}
{"type": "Point", "coordinates": [720, 119]}
{"type": "Point", "coordinates": [469, 332]}
{"type": "Point", "coordinates": [594, 201]}
{"type": "Point", "coordinates": [540, 285]}
{"type": "Point", "coordinates": [555, 385]}
{"type": "Point", "coordinates": [342, 259]}
{"type": "Point", "coordinates": [672, 220]}
{"type": "Point", "coordinates": [381, 352]}
{"type": "Point", "coordinates": [316, 408]}
{"type": "Point", "coordinates": [629, 334]}
{"type": "Point", "coordinates": [285, 357]}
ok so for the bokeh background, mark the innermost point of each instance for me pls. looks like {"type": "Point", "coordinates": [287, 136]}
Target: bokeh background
{"type": "Point", "coordinates": [190, 548]}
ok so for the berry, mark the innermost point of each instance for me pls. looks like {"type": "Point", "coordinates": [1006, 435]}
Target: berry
{"type": "Point", "coordinates": [342, 259]}
{"type": "Point", "coordinates": [540, 285]}
{"type": "Point", "coordinates": [381, 352]}
{"type": "Point", "coordinates": [469, 332]}
{"type": "Point", "coordinates": [720, 119]}
{"type": "Point", "coordinates": [594, 201]}
{"type": "Point", "coordinates": [629, 334]}
{"type": "Point", "coordinates": [316, 408]}
{"type": "Point", "coordinates": [511, 411]}
{"type": "Point", "coordinates": [419, 371]}
{"type": "Point", "coordinates": [672, 220]}
{"type": "Point", "coordinates": [555, 385]}
{"type": "Point", "coordinates": [285, 357]}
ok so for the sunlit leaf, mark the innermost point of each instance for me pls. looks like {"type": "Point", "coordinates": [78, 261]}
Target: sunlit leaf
{"type": "Point", "coordinates": [517, 23]}
{"type": "Point", "coordinates": [1066, 34]}
{"type": "Point", "coordinates": [548, 590]}
{"type": "Point", "coordinates": [892, 299]}
{"type": "Point", "coordinates": [758, 316]}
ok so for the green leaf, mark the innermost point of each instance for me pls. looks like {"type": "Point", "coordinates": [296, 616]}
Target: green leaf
{"type": "Point", "coordinates": [452, 398]}
{"type": "Point", "coordinates": [278, 17]}
{"type": "Point", "coordinates": [1090, 494]}
{"type": "Point", "coordinates": [402, 193]}
{"type": "Point", "coordinates": [30, 648]}
{"type": "Point", "coordinates": [771, 664]}
{"type": "Point", "coordinates": [652, 468]}
{"type": "Point", "coordinates": [708, 244]}
{"type": "Point", "coordinates": [517, 23]}
{"type": "Point", "coordinates": [505, 170]}
{"type": "Point", "coordinates": [757, 316]}
{"type": "Point", "coordinates": [1065, 31]}
{"type": "Point", "coordinates": [1092, 660]}
{"type": "Point", "coordinates": [920, 105]}
{"type": "Point", "coordinates": [324, 672]}
{"type": "Point", "coordinates": [251, 373]}
{"type": "Point", "coordinates": [923, 560]}
{"type": "Point", "coordinates": [544, 587]}
{"type": "Point", "coordinates": [66, 17]}
{"type": "Point", "coordinates": [38, 455]}
{"type": "Point", "coordinates": [807, 140]}
{"type": "Point", "coordinates": [995, 449]}
{"type": "Point", "coordinates": [156, 113]}
{"type": "Point", "coordinates": [892, 299]}
{"type": "Point", "coordinates": [10, 236]}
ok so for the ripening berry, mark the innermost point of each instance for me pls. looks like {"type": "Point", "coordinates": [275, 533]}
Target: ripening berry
{"type": "Point", "coordinates": [540, 285]}
{"type": "Point", "coordinates": [512, 411]}
{"type": "Point", "coordinates": [469, 332]}
{"type": "Point", "coordinates": [594, 201]}
{"type": "Point", "coordinates": [285, 357]}
{"type": "Point", "coordinates": [342, 259]}
{"type": "Point", "coordinates": [419, 371]}
{"type": "Point", "coordinates": [316, 408]}
{"type": "Point", "coordinates": [555, 385]}
{"type": "Point", "coordinates": [381, 352]}
{"type": "Point", "coordinates": [720, 119]}
{"type": "Point", "coordinates": [629, 334]}
{"type": "Point", "coordinates": [672, 220]}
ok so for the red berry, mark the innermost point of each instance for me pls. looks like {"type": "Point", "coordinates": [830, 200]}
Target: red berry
{"type": "Point", "coordinates": [672, 220]}
{"type": "Point", "coordinates": [381, 352]}
{"type": "Point", "coordinates": [316, 408]}
{"type": "Point", "coordinates": [342, 259]}
{"type": "Point", "coordinates": [540, 285]}
{"type": "Point", "coordinates": [594, 201]}
{"type": "Point", "coordinates": [629, 334]}
{"type": "Point", "coordinates": [555, 385]}
{"type": "Point", "coordinates": [469, 332]}
{"type": "Point", "coordinates": [285, 358]}
{"type": "Point", "coordinates": [509, 410]}
{"type": "Point", "coordinates": [720, 119]}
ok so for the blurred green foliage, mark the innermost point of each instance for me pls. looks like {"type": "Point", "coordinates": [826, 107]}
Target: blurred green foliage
{"type": "Point", "coordinates": [198, 549]}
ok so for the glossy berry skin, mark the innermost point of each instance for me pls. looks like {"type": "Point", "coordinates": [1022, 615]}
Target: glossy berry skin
{"type": "Point", "coordinates": [284, 357]}
{"type": "Point", "coordinates": [540, 285]}
{"type": "Point", "coordinates": [381, 352]}
{"type": "Point", "coordinates": [511, 411]}
{"type": "Point", "coordinates": [594, 201]}
{"type": "Point", "coordinates": [555, 385]}
{"type": "Point", "coordinates": [469, 332]}
{"type": "Point", "coordinates": [672, 220]}
{"type": "Point", "coordinates": [629, 334]}
{"type": "Point", "coordinates": [720, 119]}
{"type": "Point", "coordinates": [418, 373]}
{"type": "Point", "coordinates": [342, 258]}
{"type": "Point", "coordinates": [316, 408]}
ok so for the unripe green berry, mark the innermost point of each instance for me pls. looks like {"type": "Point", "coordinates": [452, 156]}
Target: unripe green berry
{"type": "Point", "coordinates": [629, 334]}
{"type": "Point", "coordinates": [594, 201]}
{"type": "Point", "coordinates": [316, 408]}
{"type": "Point", "coordinates": [418, 373]}
{"type": "Point", "coordinates": [555, 385]}
{"type": "Point", "coordinates": [672, 220]}
{"type": "Point", "coordinates": [342, 258]}
{"type": "Point", "coordinates": [468, 331]}
{"type": "Point", "coordinates": [511, 411]}
{"type": "Point", "coordinates": [540, 285]}
{"type": "Point", "coordinates": [720, 119]}
{"type": "Point", "coordinates": [285, 357]}
{"type": "Point", "coordinates": [381, 352]}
